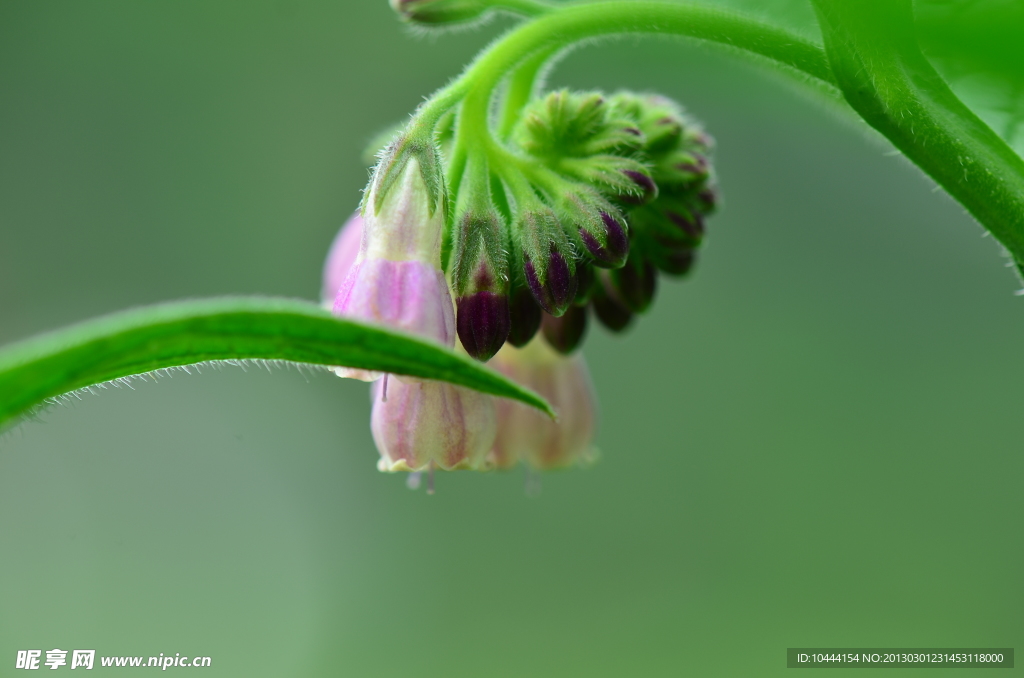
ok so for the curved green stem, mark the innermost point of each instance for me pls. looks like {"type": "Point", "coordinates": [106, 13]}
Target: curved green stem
{"type": "Point", "coordinates": [572, 23]}
{"type": "Point", "coordinates": [884, 76]}
{"type": "Point", "coordinates": [556, 28]}
{"type": "Point", "coordinates": [521, 86]}
{"type": "Point", "coordinates": [185, 333]}
{"type": "Point", "coordinates": [430, 113]}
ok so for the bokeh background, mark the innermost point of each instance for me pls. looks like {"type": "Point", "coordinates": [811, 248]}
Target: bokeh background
{"type": "Point", "coordinates": [815, 441]}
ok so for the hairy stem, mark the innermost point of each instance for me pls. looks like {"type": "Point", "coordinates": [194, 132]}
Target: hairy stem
{"type": "Point", "coordinates": [562, 27]}
{"type": "Point", "coordinates": [521, 87]}
{"type": "Point", "coordinates": [873, 50]}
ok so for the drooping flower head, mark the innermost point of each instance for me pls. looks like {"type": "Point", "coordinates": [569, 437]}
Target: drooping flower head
{"type": "Point", "coordinates": [605, 194]}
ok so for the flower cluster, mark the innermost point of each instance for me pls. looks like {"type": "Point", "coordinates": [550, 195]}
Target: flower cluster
{"type": "Point", "coordinates": [620, 159]}
{"type": "Point", "coordinates": [598, 196]}
{"type": "Point", "coordinates": [385, 268]}
{"type": "Point", "coordinates": [590, 198]}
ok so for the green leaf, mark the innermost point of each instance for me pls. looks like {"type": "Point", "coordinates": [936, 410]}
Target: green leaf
{"type": "Point", "coordinates": [188, 332]}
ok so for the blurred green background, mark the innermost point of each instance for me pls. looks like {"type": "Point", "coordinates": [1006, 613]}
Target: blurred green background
{"type": "Point", "coordinates": [815, 441]}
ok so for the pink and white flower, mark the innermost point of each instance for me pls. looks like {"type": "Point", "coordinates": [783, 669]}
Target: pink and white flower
{"type": "Point", "coordinates": [427, 424]}
{"type": "Point", "coordinates": [396, 279]}
{"type": "Point", "coordinates": [340, 259]}
{"type": "Point", "coordinates": [524, 434]}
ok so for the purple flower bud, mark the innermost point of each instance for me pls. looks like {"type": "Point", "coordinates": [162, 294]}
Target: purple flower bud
{"type": "Point", "coordinates": [648, 189]}
{"type": "Point", "coordinates": [564, 334]}
{"type": "Point", "coordinates": [585, 283]}
{"type": "Point", "coordinates": [479, 274]}
{"type": "Point", "coordinates": [554, 286]}
{"type": "Point", "coordinates": [612, 252]}
{"type": "Point", "coordinates": [612, 313]}
{"type": "Point", "coordinates": [677, 262]}
{"type": "Point", "coordinates": [340, 259]}
{"type": "Point", "coordinates": [635, 284]}
{"type": "Point", "coordinates": [524, 316]}
{"type": "Point", "coordinates": [424, 424]}
{"type": "Point", "coordinates": [483, 323]}
{"type": "Point", "coordinates": [690, 223]}
{"type": "Point", "coordinates": [526, 435]}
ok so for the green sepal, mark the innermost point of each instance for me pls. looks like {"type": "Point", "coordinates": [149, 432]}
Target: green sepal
{"type": "Point", "coordinates": [393, 160]}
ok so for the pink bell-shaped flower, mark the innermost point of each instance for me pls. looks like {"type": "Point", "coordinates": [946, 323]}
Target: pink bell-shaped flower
{"type": "Point", "coordinates": [422, 425]}
{"type": "Point", "coordinates": [526, 434]}
{"type": "Point", "coordinates": [396, 279]}
{"type": "Point", "coordinates": [340, 259]}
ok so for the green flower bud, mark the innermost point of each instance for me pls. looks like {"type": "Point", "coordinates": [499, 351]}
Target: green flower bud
{"type": "Point", "coordinates": [391, 166]}
{"type": "Point", "coordinates": [682, 169]}
{"type": "Point", "coordinates": [707, 200]}
{"type": "Point", "coordinates": [601, 227]}
{"type": "Point", "coordinates": [670, 223]}
{"type": "Point", "coordinates": [626, 180]}
{"type": "Point", "coordinates": [571, 125]}
{"type": "Point", "coordinates": [660, 119]}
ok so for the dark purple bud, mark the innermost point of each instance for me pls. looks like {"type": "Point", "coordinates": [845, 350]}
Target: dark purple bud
{"type": "Point", "coordinates": [613, 253]}
{"type": "Point", "coordinates": [691, 224]}
{"type": "Point", "coordinates": [633, 130]}
{"type": "Point", "coordinates": [524, 315]}
{"type": "Point", "coordinates": [557, 289]}
{"type": "Point", "coordinates": [566, 332]}
{"type": "Point", "coordinates": [677, 262]}
{"type": "Point", "coordinates": [483, 323]}
{"type": "Point", "coordinates": [584, 283]}
{"type": "Point", "coordinates": [611, 313]}
{"type": "Point", "coordinates": [648, 189]}
{"type": "Point", "coordinates": [635, 284]}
